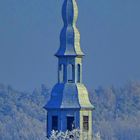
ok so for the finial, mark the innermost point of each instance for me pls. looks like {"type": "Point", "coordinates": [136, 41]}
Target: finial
{"type": "Point", "coordinates": [69, 12]}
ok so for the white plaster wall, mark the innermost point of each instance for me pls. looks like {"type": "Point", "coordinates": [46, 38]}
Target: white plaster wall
{"type": "Point", "coordinates": [89, 133]}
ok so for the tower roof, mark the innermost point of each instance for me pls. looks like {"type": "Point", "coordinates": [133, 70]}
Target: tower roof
{"type": "Point", "coordinates": [69, 96]}
{"type": "Point", "coordinates": [70, 36]}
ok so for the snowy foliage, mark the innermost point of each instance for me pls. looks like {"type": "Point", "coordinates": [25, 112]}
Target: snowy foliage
{"type": "Point", "coordinates": [22, 116]}
{"type": "Point", "coordinates": [117, 112]}
{"type": "Point", "coordinates": [116, 115]}
{"type": "Point", "coordinates": [70, 135]}
{"type": "Point", "coordinates": [97, 136]}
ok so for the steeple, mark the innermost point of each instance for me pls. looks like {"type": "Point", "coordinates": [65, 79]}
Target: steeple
{"type": "Point", "coordinates": [69, 37]}
{"type": "Point", "coordinates": [69, 104]}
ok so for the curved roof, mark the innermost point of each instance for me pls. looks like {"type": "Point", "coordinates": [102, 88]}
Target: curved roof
{"type": "Point", "coordinates": [69, 95]}
{"type": "Point", "coordinates": [70, 36]}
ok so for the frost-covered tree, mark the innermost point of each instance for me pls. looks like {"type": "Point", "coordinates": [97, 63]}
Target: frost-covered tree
{"type": "Point", "coordinates": [116, 115]}
{"type": "Point", "coordinates": [70, 135]}
{"type": "Point", "coordinates": [97, 136]}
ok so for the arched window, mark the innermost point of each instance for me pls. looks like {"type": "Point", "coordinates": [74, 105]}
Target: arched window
{"type": "Point", "coordinates": [70, 72]}
{"type": "Point", "coordinates": [61, 73]}
{"type": "Point", "coordinates": [78, 73]}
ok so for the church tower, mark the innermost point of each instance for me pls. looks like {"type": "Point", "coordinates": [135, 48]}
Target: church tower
{"type": "Point", "coordinates": [69, 106]}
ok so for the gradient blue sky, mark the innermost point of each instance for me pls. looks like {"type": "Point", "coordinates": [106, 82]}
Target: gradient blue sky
{"type": "Point", "coordinates": [29, 37]}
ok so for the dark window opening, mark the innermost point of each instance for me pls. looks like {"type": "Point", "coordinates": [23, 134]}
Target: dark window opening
{"type": "Point", "coordinates": [70, 71]}
{"type": "Point", "coordinates": [70, 123]}
{"type": "Point", "coordinates": [85, 123]}
{"type": "Point", "coordinates": [54, 122]}
{"type": "Point", "coordinates": [61, 73]}
{"type": "Point", "coordinates": [78, 73]}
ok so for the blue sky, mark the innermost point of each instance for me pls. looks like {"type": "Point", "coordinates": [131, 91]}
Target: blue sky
{"type": "Point", "coordinates": [29, 38]}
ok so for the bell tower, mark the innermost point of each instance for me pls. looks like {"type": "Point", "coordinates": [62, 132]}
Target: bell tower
{"type": "Point", "coordinates": [69, 106]}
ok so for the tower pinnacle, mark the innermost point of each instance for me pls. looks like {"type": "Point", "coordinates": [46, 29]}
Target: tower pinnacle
{"type": "Point", "coordinates": [69, 37]}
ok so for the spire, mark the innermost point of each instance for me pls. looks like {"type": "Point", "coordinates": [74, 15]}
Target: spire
{"type": "Point", "coordinates": [69, 37]}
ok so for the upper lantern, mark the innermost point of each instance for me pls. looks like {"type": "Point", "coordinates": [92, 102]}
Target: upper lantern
{"type": "Point", "coordinates": [69, 37]}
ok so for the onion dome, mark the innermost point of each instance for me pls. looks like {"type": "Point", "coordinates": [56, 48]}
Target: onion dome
{"type": "Point", "coordinates": [70, 36]}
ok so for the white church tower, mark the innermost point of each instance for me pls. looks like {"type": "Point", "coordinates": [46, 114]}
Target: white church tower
{"type": "Point", "coordinates": [69, 106]}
